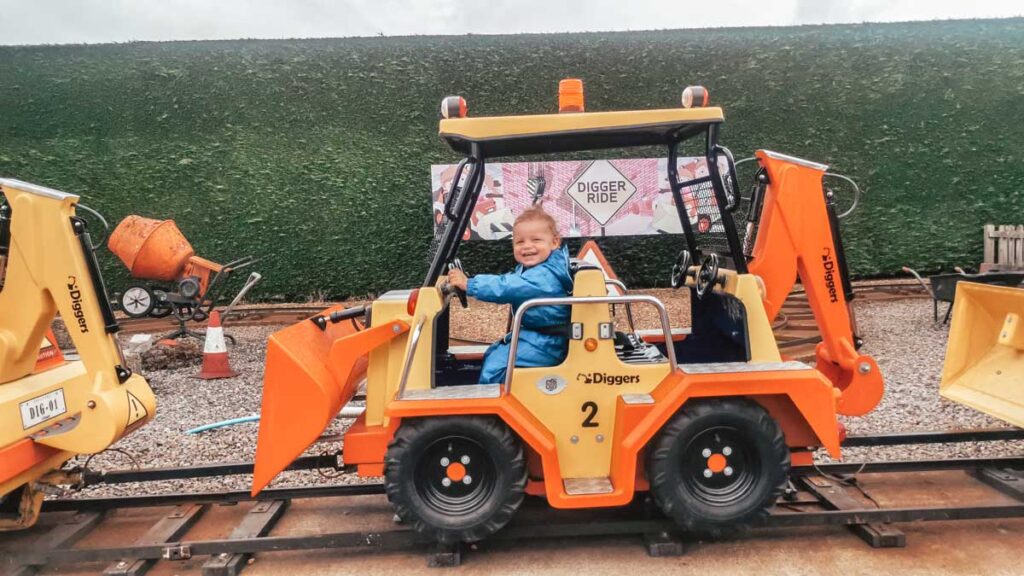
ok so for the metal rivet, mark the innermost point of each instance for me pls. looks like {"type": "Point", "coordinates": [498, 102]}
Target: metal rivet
{"type": "Point", "coordinates": [708, 473]}
{"type": "Point", "coordinates": [864, 368]}
{"type": "Point", "coordinates": [464, 459]}
{"type": "Point", "coordinates": [600, 438]}
{"type": "Point", "coordinates": [446, 482]}
{"type": "Point", "coordinates": [396, 328]}
{"type": "Point", "coordinates": [445, 461]}
{"type": "Point", "coordinates": [574, 439]}
{"type": "Point", "coordinates": [706, 453]}
{"type": "Point", "coordinates": [727, 451]}
{"type": "Point", "coordinates": [728, 471]}
{"type": "Point", "coordinates": [91, 403]}
{"type": "Point", "coordinates": [467, 479]}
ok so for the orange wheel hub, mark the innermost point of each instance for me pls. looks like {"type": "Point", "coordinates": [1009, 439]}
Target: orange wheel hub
{"type": "Point", "coordinates": [456, 471]}
{"type": "Point", "coordinates": [716, 463]}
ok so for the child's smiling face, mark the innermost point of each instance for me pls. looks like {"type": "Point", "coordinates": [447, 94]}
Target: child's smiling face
{"type": "Point", "coordinates": [533, 241]}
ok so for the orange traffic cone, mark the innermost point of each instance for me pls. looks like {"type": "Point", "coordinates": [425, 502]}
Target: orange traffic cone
{"type": "Point", "coordinates": [215, 353]}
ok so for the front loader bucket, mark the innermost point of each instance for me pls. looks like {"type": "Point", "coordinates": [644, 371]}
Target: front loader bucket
{"type": "Point", "coordinates": [310, 374]}
{"type": "Point", "coordinates": [984, 366]}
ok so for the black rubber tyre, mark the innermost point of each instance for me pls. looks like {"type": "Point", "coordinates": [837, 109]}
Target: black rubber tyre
{"type": "Point", "coordinates": [745, 447]}
{"type": "Point", "coordinates": [486, 452]}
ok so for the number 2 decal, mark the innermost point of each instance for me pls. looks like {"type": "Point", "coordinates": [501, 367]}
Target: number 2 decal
{"type": "Point", "coordinates": [590, 409]}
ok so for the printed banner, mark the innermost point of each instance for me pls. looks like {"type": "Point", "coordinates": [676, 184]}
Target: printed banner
{"type": "Point", "coordinates": [625, 197]}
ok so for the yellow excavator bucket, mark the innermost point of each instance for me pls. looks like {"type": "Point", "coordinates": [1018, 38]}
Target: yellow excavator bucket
{"type": "Point", "coordinates": [984, 366]}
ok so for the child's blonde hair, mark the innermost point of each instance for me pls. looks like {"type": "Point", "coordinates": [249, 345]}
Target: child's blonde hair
{"type": "Point", "coordinates": [536, 213]}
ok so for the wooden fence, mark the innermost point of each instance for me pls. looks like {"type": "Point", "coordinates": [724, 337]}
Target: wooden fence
{"type": "Point", "coordinates": [1004, 248]}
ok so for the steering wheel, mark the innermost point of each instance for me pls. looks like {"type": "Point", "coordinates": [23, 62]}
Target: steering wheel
{"type": "Point", "coordinates": [680, 270]}
{"type": "Point", "coordinates": [707, 275]}
{"type": "Point", "coordinates": [456, 264]}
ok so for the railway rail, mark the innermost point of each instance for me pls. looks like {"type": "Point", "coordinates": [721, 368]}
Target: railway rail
{"type": "Point", "coordinates": [823, 495]}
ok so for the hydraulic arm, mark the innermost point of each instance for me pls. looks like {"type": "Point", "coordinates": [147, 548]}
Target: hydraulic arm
{"type": "Point", "coordinates": [798, 235]}
{"type": "Point", "coordinates": [79, 407]}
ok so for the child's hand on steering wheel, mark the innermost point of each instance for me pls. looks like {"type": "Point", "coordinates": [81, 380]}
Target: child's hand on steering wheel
{"type": "Point", "coordinates": [457, 278]}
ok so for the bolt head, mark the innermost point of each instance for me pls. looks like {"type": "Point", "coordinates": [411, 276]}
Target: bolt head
{"type": "Point", "coordinates": [864, 368]}
{"type": "Point", "coordinates": [445, 461]}
{"type": "Point", "coordinates": [446, 482]}
{"type": "Point", "coordinates": [706, 453]}
{"type": "Point", "coordinates": [396, 328]}
{"type": "Point", "coordinates": [464, 460]}
{"type": "Point", "coordinates": [467, 479]}
{"type": "Point", "coordinates": [728, 471]}
{"type": "Point", "coordinates": [600, 438]}
{"type": "Point", "coordinates": [708, 473]}
{"type": "Point", "coordinates": [727, 451]}
{"type": "Point", "coordinates": [574, 439]}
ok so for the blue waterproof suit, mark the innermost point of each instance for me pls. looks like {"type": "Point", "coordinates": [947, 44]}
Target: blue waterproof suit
{"type": "Point", "coordinates": [548, 279]}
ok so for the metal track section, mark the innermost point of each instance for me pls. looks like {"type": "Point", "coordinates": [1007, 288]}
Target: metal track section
{"type": "Point", "coordinates": [823, 495]}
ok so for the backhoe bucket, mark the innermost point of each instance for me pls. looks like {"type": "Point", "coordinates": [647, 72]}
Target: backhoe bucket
{"type": "Point", "coordinates": [984, 366]}
{"type": "Point", "coordinates": [310, 374]}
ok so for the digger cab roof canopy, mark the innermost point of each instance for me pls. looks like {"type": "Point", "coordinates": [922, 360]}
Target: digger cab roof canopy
{"type": "Point", "coordinates": [568, 132]}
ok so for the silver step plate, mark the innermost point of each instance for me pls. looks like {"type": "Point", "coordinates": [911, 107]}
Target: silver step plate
{"type": "Point", "coordinates": [581, 486]}
{"type": "Point", "coordinates": [467, 392]}
{"type": "Point", "coordinates": [716, 367]}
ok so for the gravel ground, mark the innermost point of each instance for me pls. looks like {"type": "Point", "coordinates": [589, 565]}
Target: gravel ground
{"type": "Point", "coordinates": [899, 334]}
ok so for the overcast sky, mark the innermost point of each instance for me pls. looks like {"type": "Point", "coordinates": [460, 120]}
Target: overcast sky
{"type": "Point", "coordinates": [76, 21]}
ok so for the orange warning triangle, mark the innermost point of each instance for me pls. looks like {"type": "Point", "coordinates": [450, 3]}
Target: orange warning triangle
{"type": "Point", "coordinates": [136, 409]}
{"type": "Point", "coordinates": [591, 254]}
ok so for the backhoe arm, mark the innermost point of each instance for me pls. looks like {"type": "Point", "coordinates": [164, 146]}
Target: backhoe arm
{"type": "Point", "coordinates": [797, 235]}
{"type": "Point", "coordinates": [51, 268]}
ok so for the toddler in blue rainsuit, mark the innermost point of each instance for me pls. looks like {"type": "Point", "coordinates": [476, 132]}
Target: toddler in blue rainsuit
{"type": "Point", "coordinates": [543, 272]}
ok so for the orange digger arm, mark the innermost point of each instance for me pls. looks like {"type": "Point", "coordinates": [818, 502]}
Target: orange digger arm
{"type": "Point", "coordinates": [795, 237]}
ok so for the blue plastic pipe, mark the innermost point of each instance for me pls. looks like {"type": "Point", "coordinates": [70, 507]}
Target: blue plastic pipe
{"type": "Point", "coordinates": [223, 424]}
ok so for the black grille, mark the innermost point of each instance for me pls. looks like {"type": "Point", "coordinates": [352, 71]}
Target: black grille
{"type": "Point", "coordinates": [705, 216]}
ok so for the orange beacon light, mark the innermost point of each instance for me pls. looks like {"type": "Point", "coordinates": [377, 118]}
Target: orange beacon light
{"type": "Point", "coordinates": [570, 95]}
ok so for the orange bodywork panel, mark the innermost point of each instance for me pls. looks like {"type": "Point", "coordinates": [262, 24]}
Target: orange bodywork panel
{"type": "Point", "coordinates": [795, 237]}
{"type": "Point", "coordinates": [21, 456]}
{"type": "Point", "coordinates": [807, 391]}
{"type": "Point", "coordinates": [310, 374]}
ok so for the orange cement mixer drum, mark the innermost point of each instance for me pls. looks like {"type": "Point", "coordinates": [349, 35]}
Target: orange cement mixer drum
{"type": "Point", "coordinates": [151, 249]}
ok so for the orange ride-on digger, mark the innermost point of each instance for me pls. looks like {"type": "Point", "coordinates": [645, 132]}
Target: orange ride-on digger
{"type": "Point", "coordinates": [709, 420]}
{"type": "Point", "coordinates": [52, 408]}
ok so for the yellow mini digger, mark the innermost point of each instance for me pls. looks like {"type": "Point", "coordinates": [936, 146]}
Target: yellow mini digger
{"type": "Point", "coordinates": [50, 408]}
{"type": "Point", "coordinates": [708, 419]}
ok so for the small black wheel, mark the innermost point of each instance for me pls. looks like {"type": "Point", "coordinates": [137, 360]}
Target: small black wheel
{"type": "Point", "coordinates": [680, 270]}
{"type": "Point", "coordinates": [455, 479]}
{"type": "Point", "coordinates": [718, 465]}
{"type": "Point", "coordinates": [707, 276]}
{"type": "Point", "coordinates": [137, 301]}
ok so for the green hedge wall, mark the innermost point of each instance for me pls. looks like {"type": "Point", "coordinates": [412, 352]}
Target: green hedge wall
{"type": "Point", "coordinates": [315, 153]}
